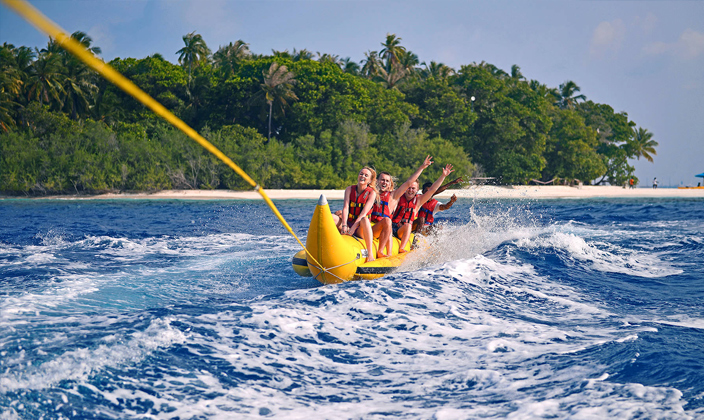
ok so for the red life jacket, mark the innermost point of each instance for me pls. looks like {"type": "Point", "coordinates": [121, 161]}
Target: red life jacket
{"type": "Point", "coordinates": [357, 202]}
{"type": "Point", "coordinates": [381, 209]}
{"type": "Point", "coordinates": [405, 212]}
{"type": "Point", "coordinates": [428, 209]}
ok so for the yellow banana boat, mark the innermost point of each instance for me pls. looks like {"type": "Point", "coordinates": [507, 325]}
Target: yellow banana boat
{"type": "Point", "coordinates": [336, 258]}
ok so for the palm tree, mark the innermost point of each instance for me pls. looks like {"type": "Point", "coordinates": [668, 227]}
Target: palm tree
{"type": "Point", "coordinates": [349, 66]}
{"type": "Point", "coordinates": [543, 90]}
{"type": "Point", "coordinates": [227, 57]}
{"type": "Point", "coordinates": [372, 64]}
{"type": "Point", "coordinates": [329, 58]}
{"type": "Point", "coordinates": [10, 87]}
{"type": "Point", "coordinates": [566, 98]}
{"type": "Point", "coordinates": [392, 50]}
{"type": "Point", "coordinates": [495, 71]}
{"type": "Point", "coordinates": [390, 78]}
{"type": "Point", "coordinates": [44, 83]}
{"type": "Point", "coordinates": [12, 72]}
{"type": "Point", "coordinates": [277, 89]}
{"type": "Point", "coordinates": [303, 54]}
{"type": "Point", "coordinates": [282, 54]}
{"type": "Point", "coordinates": [408, 61]}
{"type": "Point", "coordinates": [86, 41]}
{"type": "Point", "coordinates": [437, 70]}
{"type": "Point", "coordinates": [195, 51]}
{"type": "Point", "coordinates": [15, 69]}
{"type": "Point", "coordinates": [516, 73]}
{"type": "Point", "coordinates": [643, 144]}
{"type": "Point", "coordinates": [79, 82]}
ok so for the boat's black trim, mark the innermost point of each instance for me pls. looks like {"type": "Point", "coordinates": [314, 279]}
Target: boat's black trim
{"type": "Point", "coordinates": [375, 270]}
{"type": "Point", "coordinates": [299, 261]}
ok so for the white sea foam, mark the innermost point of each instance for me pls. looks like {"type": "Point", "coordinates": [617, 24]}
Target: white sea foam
{"type": "Point", "coordinates": [57, 291]}
{"type": "Point", "coordinates": [385, 340]}
{"type": "Point", "coordinates": [78, 364]}
{"type": "Point", "coordinates": [603, 256]}
{"type": "Point", "coordinates": [465, 332]}
{"type": "Point", "coordinates": [81, 282]}
{"type": "Point", "coordinates": [379, 341]}
{"type": "Point", "coordinates": [483, 233]}
{"type": "Point", "coordinates": [681, 320]}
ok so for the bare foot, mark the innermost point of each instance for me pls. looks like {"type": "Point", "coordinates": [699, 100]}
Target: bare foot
{"type": "Point", "coordinates": [402, 250]}
{"type": "Point", "coordinates": [381, 255]}
{"type": "Point", "coordinates": [370, 258]}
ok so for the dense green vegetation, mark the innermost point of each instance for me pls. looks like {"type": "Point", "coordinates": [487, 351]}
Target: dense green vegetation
{"type": "Point", "coordinates": [295, 120]}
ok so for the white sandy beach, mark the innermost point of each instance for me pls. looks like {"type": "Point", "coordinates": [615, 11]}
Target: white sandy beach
{"type": "Point", "coordinates": [478, 192]}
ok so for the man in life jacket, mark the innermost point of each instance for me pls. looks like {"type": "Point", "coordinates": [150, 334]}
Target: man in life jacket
{"type": "Point", "coordinates": [426, 214]}
{"type": "Point", "coordinates": [408, 206]}
{"type": "Point", "coordinates": [384, 208]}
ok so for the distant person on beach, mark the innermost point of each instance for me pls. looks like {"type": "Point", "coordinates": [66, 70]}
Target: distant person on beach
{"type": "Point", "coordinates": [631, 183]}
{"type": "Point", "coordinates": [426, 215]}
{"type": "Point", "coordinates": [386, 205]}
{"type": "Point", "coordinates": [359, 200]}
{"type": "Point", "coordinates": [655, 182]}
{"type": "Point", "coordinates": [409, 204]}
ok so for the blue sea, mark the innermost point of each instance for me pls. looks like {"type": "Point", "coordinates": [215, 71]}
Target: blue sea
{"type": "Point", "coordinates": [517, 309]}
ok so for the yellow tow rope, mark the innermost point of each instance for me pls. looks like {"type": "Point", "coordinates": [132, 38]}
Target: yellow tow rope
{"type": "Point", "coordinates": [44, 24]}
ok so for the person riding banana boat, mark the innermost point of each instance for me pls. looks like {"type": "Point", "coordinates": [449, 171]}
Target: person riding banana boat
{"type": "Point", "coordinates": [409, 204]}
{"type": "Point", "coordinates": [356, 199]}
{"type": "Point", "coordinates": [359, 200]}
{"type": "Point", "coordinates": [424, 223]}
{"type": "Point", "coordinates": [342, 248]}
{"type": "Point", "coordinates": [384, 208]}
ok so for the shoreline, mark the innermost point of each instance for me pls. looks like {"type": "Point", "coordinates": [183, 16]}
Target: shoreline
{"type": "Point", "coordinates": [474, 192]}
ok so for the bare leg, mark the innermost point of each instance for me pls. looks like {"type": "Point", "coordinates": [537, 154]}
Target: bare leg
{"type": "Point", "coordinates": [404, 232]}
{"type": "Point", "coordinates": [365, 231]}
{"type": "Point", "coordinates": [385, 237]}
{"type": "Point", "coordinates": [337, 221]}
{"type": "Point", "coordinates": [378, 231]}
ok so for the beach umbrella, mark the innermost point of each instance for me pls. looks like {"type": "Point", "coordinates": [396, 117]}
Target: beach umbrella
{"type": "Point", "coordinates": [701, 175]}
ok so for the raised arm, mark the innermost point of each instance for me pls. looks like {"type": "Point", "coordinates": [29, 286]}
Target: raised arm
{"type": "Point", "coordinates": [444, 187]}
{"type": "Point", "coordinates": [398, 192]}
{"type": "Point", "coordinates": [422, 199]}
{"type": "Point", "coordinates": [446, 206]}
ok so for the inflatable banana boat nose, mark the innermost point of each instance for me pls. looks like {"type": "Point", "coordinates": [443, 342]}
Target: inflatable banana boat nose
{"type": "Point", "coordinates": [342, 257]}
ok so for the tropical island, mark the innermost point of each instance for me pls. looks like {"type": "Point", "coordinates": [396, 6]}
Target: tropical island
{"type": "Point", "coordinates": [295, 120]}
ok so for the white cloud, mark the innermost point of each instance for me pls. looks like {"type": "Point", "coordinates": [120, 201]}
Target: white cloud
{"type": "Point", "coordinates": [690, 45]}
{"type": "Point", "coordinates": [607, 37]}
{"type": "Point", "coordinates": [647, 23]}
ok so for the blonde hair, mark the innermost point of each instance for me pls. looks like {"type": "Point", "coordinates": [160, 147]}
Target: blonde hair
{"type": "Point", "coordinates": [372, 180]}
{"type": "Point", "coordinates": [390, 177]}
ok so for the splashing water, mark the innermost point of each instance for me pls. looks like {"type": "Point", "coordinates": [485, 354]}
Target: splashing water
{"type": "Point", "coordinates": [514, 309]}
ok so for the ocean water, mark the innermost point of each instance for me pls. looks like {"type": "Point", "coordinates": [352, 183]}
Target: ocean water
{"type": "Point", "coordinates": [560, 309]}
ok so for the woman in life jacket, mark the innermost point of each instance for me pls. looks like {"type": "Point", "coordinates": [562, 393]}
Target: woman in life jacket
{"type": "Point", "coordinates": [359, 199]}
{"type": "Point", "coordinates": [383, 209]}
{"type": "Point", "coordinates": [381, 215]}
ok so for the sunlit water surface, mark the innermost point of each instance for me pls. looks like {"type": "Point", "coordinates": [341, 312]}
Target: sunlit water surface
{"type": "Point", "coordinates": [587, 309]}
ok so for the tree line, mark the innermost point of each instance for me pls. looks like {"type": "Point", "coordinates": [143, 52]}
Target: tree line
{"type": "Point", "coordinates": [295, 120]}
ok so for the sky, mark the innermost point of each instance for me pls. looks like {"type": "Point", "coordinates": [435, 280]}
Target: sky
{"type": "Point", "coordinates": [645, 58]}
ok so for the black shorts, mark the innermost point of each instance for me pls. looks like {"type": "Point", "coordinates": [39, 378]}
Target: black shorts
{"type": "Point", "coordinates": [395, 227]}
